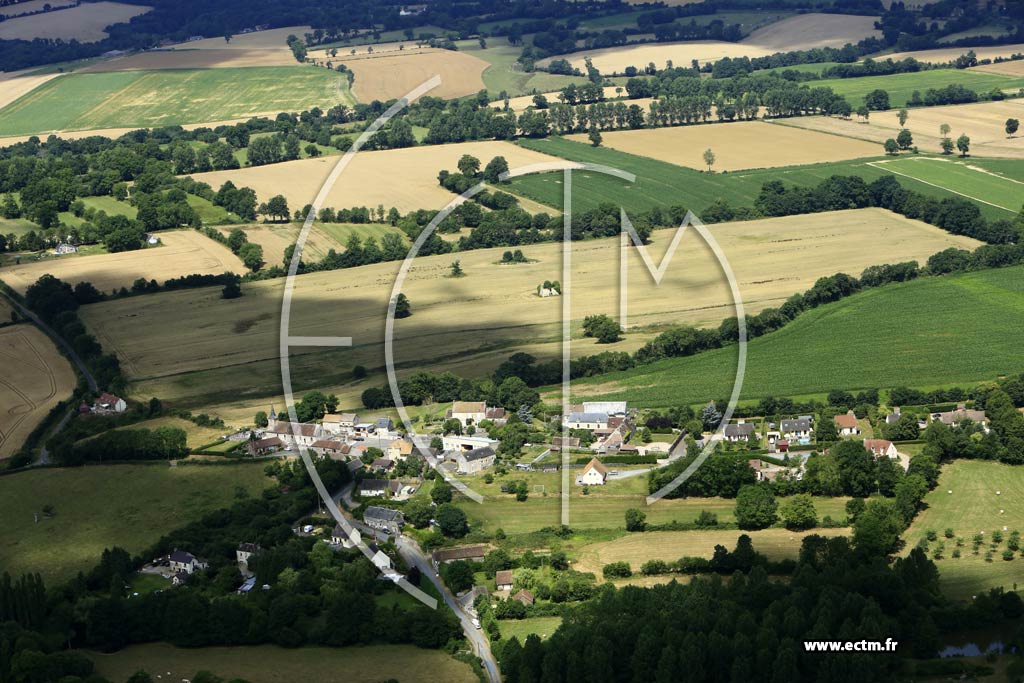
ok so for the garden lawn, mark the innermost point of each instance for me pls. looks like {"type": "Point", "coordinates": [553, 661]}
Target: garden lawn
{"type": "Point", "coordinates": [938, 331]}
{"type": "Point", "coordinates": [522, 628]}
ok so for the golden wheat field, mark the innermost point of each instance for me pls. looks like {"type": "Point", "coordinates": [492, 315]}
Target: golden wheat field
{"type": "Point", "coordinates": [469, 324]}
{"type": "Point", "coordinates": [403, 178]}
{"type": "Point", "coordinates": [948, 54]}
{"type": "Point", "coordinates": [181, 252]}
{"type": "Point", "coordinates": [983, 122]}
{"type": "Point", "coordinates": [14, 86]}
{"type": "Point", "coordinates": [736, 146]}
{"type": "Point", "coordinates": [393, 74]}
{"type": "Point", "coordinates": [32, 6]}
{"type": "Point", "coordinates": [84, 23]}
{"type": "Point", "coordinates": [1011, 68]}
{"type": "Point", "coordinates": [35, 378]}
{"type": "Point", "coordinates": [801, 32]}
{"type": "Point", "coordinates": [187, 58]}
{"type": "Point", "coordinates": [118, 132]}
{"type": "Point", "coordinates": [271, 38]}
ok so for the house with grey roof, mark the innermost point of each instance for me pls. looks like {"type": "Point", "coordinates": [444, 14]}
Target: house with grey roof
{"type": "Point", "coordinates": [384, 519]}
{"type": "Point", "coordinates": [586, 421]}
{"type": "Point", "coordinates": [798, 428]}
{"type": "Point", "coordinates": [476, 460]}
{"type": "Point", "coordinates": [740, 431]}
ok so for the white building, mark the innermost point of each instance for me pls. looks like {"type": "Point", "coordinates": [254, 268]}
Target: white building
{"type": "Point", "coordinates": [594, 474]}
{"type": "Point", "coordinates": [586, 421]}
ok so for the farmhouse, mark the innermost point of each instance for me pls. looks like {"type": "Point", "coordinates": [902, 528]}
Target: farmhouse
{"type": "Point", "coordinates": [384, 519]}
{"type": "Point", "coordinates": [270, 444]}
{"type": "Point", "coordinates": [181, 561]}
{"type": "Point", "coordinates": [503, 580]}
{"type": "Point", "coordinates": [798, 428]}
{"type": "Point", "coordinates": [475, 412]}
{"type": "Point", "coordinates": [739, 432]}
{"type": "Point", "coordinates": [340, 537]}
{"type": "Point", "coordinates": [333, 448]}
{"type": "Point", "coordinates": [593, 474]}
{"type": "Point", "coordinates": [962, 412]}
{"type": "Point", "coordinates": [893, 417]}
{"type": "Point", "coordinates": [108, 403]}
{"type": "Point", "coordinates": [245, 551]}
{"type": "Point", "coordinates": [297, 433]}
{"type": "Point", "coordinates": [384, 425]}
{"type": "Point", "coordinates": [372, 488]}
{"type": "Point", "coordinates": [65, 248]}
{"type": "Point", "coordinates": [476, 460]}
{"type": "Point", "coordinates": [524, 596]}
{"type": "Point", "coordinates": [399, 448]}
{"type": "Point", "coordinates": [382, 465]}
{"type": "Point", "coordinates": [847, 424]}
{"type": "Point", "coordinates": [881, 448]}
{"type": "Point", "coordinates": [340, 423]}
{"type": "Point", "coordinates": [558, 442]}
{"type": "Point", "coordinates": [586, 421]}
{"type": "Point", "coordinates": [379, 558]}
{"type": "Point", "coordinates": [464, 552]}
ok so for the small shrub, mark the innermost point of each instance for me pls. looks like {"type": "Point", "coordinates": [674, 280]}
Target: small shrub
{"type": "Point", "coordinates": [997, 537]}
{"type": "Point", "coordinates": [956, 553]}
{"type": "Point", "coordinates": [1007, 554]}
{"type": "Point", "coordinates": [949, 533]}
{"type": "Point", "coordinates": [614, 570]}
{"type": "Point", "coordinates": [988, 555]}
{"type": "Point", "coordinates": [931, 535]}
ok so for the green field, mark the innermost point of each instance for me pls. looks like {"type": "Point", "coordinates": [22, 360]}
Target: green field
{"type": "Point", "coordinates": [522, 628]}
{"type": "Point", "coordinates": [663, 184]}
{"type": "Point", "coordinates": [972, 507]}
{"type": "Point", "coordinates": [962, 177]}
{"type": "Point", "coordinates": [111, 206]}
{"type": "Point", "coordinates": [901, 86]}
{"type": "Point", "coordinates": [155, 98]}
{"type": "Point", "coordinates": [341, 232]}
{"type": "Point", "coordinates": [504, 74]}
{"type": "Point", "coordinates": [269, 664]}
{"type": "Point", "coordinates": [931, 332]}
{"type": "Point", "coordinates": [99, 506]}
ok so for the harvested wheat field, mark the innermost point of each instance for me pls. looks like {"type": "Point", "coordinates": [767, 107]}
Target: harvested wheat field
{"type": "Point", "coordinates": [84, 23]}
{"type": "Point", "coordinates": [32, 6]}
{"type": "Point", "coordinates": [276, 237]}
{"type": "Point", "coordinates": [737, 146]}
{"type": "Point", "coordinates": [275, 37]}
{"type": "Point", "coordinates": [948, 54]}
{"type": "Point", "coordinates": [802, 32]}
{"type": "Point", "coordinates": [1010, 68]}
{"type": "Point", "coordinates": [392, 75]}
{"type": "Point", "coordinates": [451, 316]}
{"type": "Point", "coordinates": [182, 252]}
{"type": "Point", "coordinates": [637, 548]}
{"type": "Point", "coordinates": [983, 122]}
{"type": "Point", "coordinates": [118, 132]}
{"type": "Point", "coordinates": [35, 378]}
{"type": "Point", "coordinates": [403, 178]}
{"type": "Point", "coordinates": [13, 87]}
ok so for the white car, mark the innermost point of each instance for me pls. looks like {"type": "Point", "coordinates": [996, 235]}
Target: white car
{"type": "Point", "coordinates": [476, 623]}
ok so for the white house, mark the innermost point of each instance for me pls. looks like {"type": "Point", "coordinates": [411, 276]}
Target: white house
{"type": "Point", "coordinates": [339, 537]}
{"type": "Point", "coordinates": [380, 559]}
{"type": "Point", "coordinates": [847, 424]}
{"type": "Point", "coordinates": [798, 428]}
{"type": "Point", "coordinates": [881, 448]}
{"type": "Point", "coordinates": [503, 580]}
{"type": "Point", "coordinates": [373, 488]}
{"type": "Point", "coordinates": [181, 561]}
{"type": "Point", "coordinates": [586, 421]}
{"type": "Point", "coordinates": [594, 474]}
{"type": "Point", "coordinates": [739, 432]}
{"type": "Point", "coordinates": [297, 433]}
{"type": "Point", "coordinates": [399, 449]}
{"type": "Point", "coordinates": [454, 442]}
{"type": "Point", "coordinates": [246, 551]}
{"type": "Point", "coordinates": [468, 412]}
{"type": "Point", "coordinates": [65, 248]}
{"type": "Point", "coordinates": [606, 407]}
{"type": "Point", "coordinates": [110, 403]}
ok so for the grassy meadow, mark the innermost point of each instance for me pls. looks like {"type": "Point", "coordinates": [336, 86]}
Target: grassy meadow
{"type": "Point", "coordinates": [159, 98]}
{"type": "Point", "coordinates": [270, 664]}
{"type": "Point", "coordinates": [100, 506]}
{"type": "Point", "coordinates": [902, 86]}
{"type": "Point", "coordinates": [663, 184]}
{"type": "Point", "coordinates": [966, 501]}
{"type": "Point", "coordinates": [962, 177]}
{"type": "Point", "coordinates": [934, 331]}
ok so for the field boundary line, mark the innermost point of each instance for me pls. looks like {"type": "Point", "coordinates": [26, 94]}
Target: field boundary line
{"type": "Point", "coordinates": [879, 166]}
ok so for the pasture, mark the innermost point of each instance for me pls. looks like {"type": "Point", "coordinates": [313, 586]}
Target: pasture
{"type": "Point", "coordinates": [962, 178]}
{"type": "Point", "coordinates": [195, 435]}
{"type": "Point", "coordinates": [35, 378]}
{"type": "Point", "coordinates": [469, 324]}
{"type": "Point", "coordinates": [902, 86]}
{"type": "Point", "coordinates": [504, 73]}
{"type": "Point", "coordinates": [84, 23]}
{"type": "Point", "coordinates": [392, 75]}
{"type": "Point", "coordinates": [270, 664]}
{"type": "Point", "coordinates": [403, 178]}
{"type": "Point", "coordinates": [181, 252]}
{"type": "Point", "coordinates": [983, 122]}
{"type": "Point", "coordinates": [607, 511]}
{"type": "Point", "coordinates": [924, 333]}
{"type": "Point", "coordinates": [662, 184]}
{"type": "Point", "coordinates": [522, 628]}
{"type": "Point", "coordinates": [100, 506]}
{"type": "Point", "coordinates": [737, 146]}
{"type": "Point", "coordinates": [637, 548]}
{"type": "Point", "coordinates": [973, 507]}
{"type": "Point", "coordinates": [83, 101]}
{"type": "Point", "coordinates": [802, 32]}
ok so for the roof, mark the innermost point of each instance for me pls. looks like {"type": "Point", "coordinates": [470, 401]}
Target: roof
{"type": "Point", "coordinates": [567, 441]}
{"type": "Point", "coordinates": [384, 422]}
{"type": "Point", "coordinates": [384, 463]}
{"type": "Point", "coordinates": [108, 398]}
{"type": "Point", "coordinates": [403, 446]}
{"type": "Point", "coordinates": [348, 417]}
{"type": "Point", "coordinates": [295, 428]}
{"type": "Point", "coordinates": [588, 417]}
{"type": "Point", "coordinates": [249, 547]}
{"type": "Point", "coordinates": [524, 596]}
{"type": "Point", "coordinates": [796, 425]}
{"type": "Point", "coordinates": [384, 514]}
{"type": "Point", "coordinates": [373, 485]}
{"type": "Point", "coordinates": [495, 413]}
{"type": "Point", "coordinates": [331, 417]}
{"type": "Point", "coordinates": [875, 445]}
{"type": "Point", "coordinates": [848, 421]}
{"type": "Point", "coordinates": [183, 557]}
{"type": "Point", "coordinates": [960, 414]}
{"type": "Point", "coordinates": [463, 552]}
{"type": "Point", "coordinates": [469, 407]}
{"type": "Point", "coordinates": [597, 466]}
{"type": "Point", "coordinates": [608, 407]}
{"type": "Point", "coordinates": [269, 442]}
{"type": "Point", "coordinates": [745, 429]}
{"type": "Point", "coordinates": [332, 444]}
{"type": "Point", "coordinates": [502, 577]}
{"type": "Point", "coordinates": [478, 453]}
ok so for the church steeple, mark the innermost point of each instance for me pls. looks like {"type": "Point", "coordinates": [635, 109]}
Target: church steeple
{"type": "Point", "coordinates": [273, 414]}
